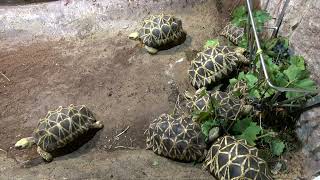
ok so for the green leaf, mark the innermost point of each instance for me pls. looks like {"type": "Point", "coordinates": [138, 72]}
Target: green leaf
{"type": "Point", "coordinates": [255, 93]}
{"type": "Point", "coordinates": [241, 125]}
{"type": "Point", "coordinates": [240, 11]}
{"type": "Point", "coordinates": [277, 147]}
{"type": "Point", "coordinates": [306, 84]}
{"type": "Point", "coordinates": [298, 61]}
{"type": "Point", "coordinates": [250, 133]}
{"type": "Point", "coordinates": [233, 81]}
{"type": "Point", "coordinates": [200, 116]}
{"type": "Point", "coordinates": [211, 43]}
{"type": "Point", "coordinates": [293, 72]}
{"type": "Point", "coordinates": [251, 79]}
{"type": "Point", "coordinates": [208, 125]}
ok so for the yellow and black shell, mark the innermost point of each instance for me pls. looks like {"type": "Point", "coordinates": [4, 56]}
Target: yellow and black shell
{"type": "Point", "coordinates": [239, 89]}
{"type": "Point", "coordinates": [234, 159]}
{"type": "Point", "coordinates": [220, 104]}
{"type": "Point", "coordinates": [233, 33]}
{"type": "Point", "coordinates": [177, 138]}
{"type": "Point", "coordinates": [61, 126]}
{"type": "Point", "coordinates": [214, 64]}
{"type": "Point", "coordinates": [161, 30]}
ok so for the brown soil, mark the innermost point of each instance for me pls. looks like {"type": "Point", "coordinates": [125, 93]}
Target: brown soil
{"type": "Point", "coordinates": [123, 85]}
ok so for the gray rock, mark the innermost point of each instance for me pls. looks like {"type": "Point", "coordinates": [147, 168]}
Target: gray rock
{"type": "Point", "coordinates": [308, 132]}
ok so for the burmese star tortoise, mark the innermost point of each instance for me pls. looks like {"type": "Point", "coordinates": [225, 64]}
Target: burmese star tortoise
{"type": "Point", "coordinates": [234, 159]}
{"type": "Point", "coordinates": [214, 64]}
{"type": "Point", "coordinates": [58, 128]}
{"type": "Point", "coordinates": [222, 105]}
{"type": "Point", "coordinates": [233, 33]}
{"type": "Point", "coordinates": [177, 138]}
{"type": "Point", "coordinates": [159, 32]}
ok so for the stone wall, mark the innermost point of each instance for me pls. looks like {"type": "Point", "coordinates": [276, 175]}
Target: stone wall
{"type": "Point", "coordinates": [302, 24]}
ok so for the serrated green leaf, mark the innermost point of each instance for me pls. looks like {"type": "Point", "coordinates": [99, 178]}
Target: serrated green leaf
{"type": "Point", "coordinates": [293, 72]}
{"type": "Point", "coordinates": [211, 43]}
{"type": "Point", "coordinates": [251, 79]}
{"type": "Point", "coordinates": [255, 93]}
{"type": "Point", "coordinates": [200, 116]}
{"type": "Point", "coordinates": [240, 11]}
{"type": "Point", "coordinates": [233, 81]}
{"type": "Point", "coordinates": [241, 125]}
{"type": "Point", "coordinates": [208, 125]}
{"type": "Point", "coordinates": [250, 134]}
{"type": "Point", "coordinates": [277, 147]}
{"type": "Point", "coordinates": [298, 61]}
{"type": "Point", "coordinates": [306, 84]}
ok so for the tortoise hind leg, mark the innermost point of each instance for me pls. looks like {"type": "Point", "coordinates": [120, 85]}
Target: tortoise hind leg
{"type": "Point", "coordinates": [151, 50]}
{"type": "Point", "coordinates": [45, 155]}
{"type": "Point", "coordinates": [97, 125]}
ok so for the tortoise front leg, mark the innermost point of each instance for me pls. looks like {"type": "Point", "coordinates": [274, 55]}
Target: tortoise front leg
{"type": "Point", "coordinates": [97, 125]}
{"type": "Point", "coordinates": [151, 50]}
{"type": "Point", "coordinates": [45, 155]}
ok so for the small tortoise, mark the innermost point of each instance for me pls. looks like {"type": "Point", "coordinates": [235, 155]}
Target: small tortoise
{"type": "Point", "coordinates": [58, 128]}
{"type": "Point", "coordinates": [177, 138]}
{"type": "Point", "coordinates": [233, 159]}
{"type": "Point", "coordinates": [223, 105]}
{"type": "Point", "coordinates": [233, 33]}
{"type": "Point", "coordinates": [214, 64]}
{"type": "Point", "coordinates": [160, 32]}
{"type": "Point", "coordinates": [239, 89]}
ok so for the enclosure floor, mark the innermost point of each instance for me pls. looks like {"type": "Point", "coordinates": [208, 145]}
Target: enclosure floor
{"type": "Point", "coordinates": [123, 85]}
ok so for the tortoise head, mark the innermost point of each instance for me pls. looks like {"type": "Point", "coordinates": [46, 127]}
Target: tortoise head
{"type": "Point", "coordinates": [239, 51]}
{"type": "Point", "coordinates": [134, 36]}
{"type": "Point", "coordinates": [25, 143]}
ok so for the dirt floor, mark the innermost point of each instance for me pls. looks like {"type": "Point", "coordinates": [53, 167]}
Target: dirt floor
{"type": "Point", "coordinates": [123, 85]}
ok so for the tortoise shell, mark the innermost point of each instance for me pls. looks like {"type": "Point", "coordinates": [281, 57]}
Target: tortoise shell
{"type": "Point", "coordinates": [160, 30]}
{"type": "Point", "coordinates": [176, 138]}
{"type": "Point", "coordinates": [232, 159]}
{"type": "Point", "coordinates": [222, 104]}
{"type": "Point", "coordinates": [233, 33]}
{"type": "Point", "coordinates": [62, 126]}
{"type": "Point", "coordinates": [214, 64]}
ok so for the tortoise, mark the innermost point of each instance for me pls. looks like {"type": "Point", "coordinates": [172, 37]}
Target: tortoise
{"type": "Point", "coordinates": [222, 104]}
{"type": "Point", "coordinates": [58, 128]}
{"type": "Point", "coordinates": [233, 33]}
{"type": "Point", "coordinates": [214, 64]}
{"type": "Point", "coordinates": [239, 89]}
{"type": "Point", "coordinates": [177, 138]}
{"type": "Point", "coordinates": [161, 31]}
{"type": "Point", "coordinates": [229, 158]}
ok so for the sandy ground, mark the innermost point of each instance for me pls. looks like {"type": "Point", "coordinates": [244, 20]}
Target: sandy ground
{"type": "Point", "coordinates": [122, 84]}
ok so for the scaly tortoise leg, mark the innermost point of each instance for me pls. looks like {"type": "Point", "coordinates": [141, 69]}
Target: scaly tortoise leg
{"type": "Point", "coordinates": [45, 155]}
{"type": "Point", "coordinates": [151, 50]}
{"type": "Point", "coordinates": [97, 125]}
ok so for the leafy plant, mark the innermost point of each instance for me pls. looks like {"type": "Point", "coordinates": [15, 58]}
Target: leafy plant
{"type": "Point", "coordinates": [240, 17]}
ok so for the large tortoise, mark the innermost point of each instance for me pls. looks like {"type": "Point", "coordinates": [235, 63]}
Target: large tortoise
{"type": "Point", "coordinates": [58, 128]}
{"type": "Point", "coordinates": [233, 159]}
{"type": "Point", "coordinates": [160, 31]}
{"type": "Point", "coordinates": [177, 138]}
{"type": "Point", "coordinates": [214, 64]}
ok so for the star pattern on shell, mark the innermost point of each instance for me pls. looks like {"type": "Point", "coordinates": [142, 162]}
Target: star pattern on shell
{"type": "Point", "coordinates": [177, 138]}
{"type": "Point", "coordinates": [61, 126]}
{"type": "Point", "coordinates": [158, 30]}
{"type": "Point", "coordinates": [233, 159]}
{"type": "Point", "coordinates": [233, 33]}
{"type": "Point", "coordinates": [212, 65]}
